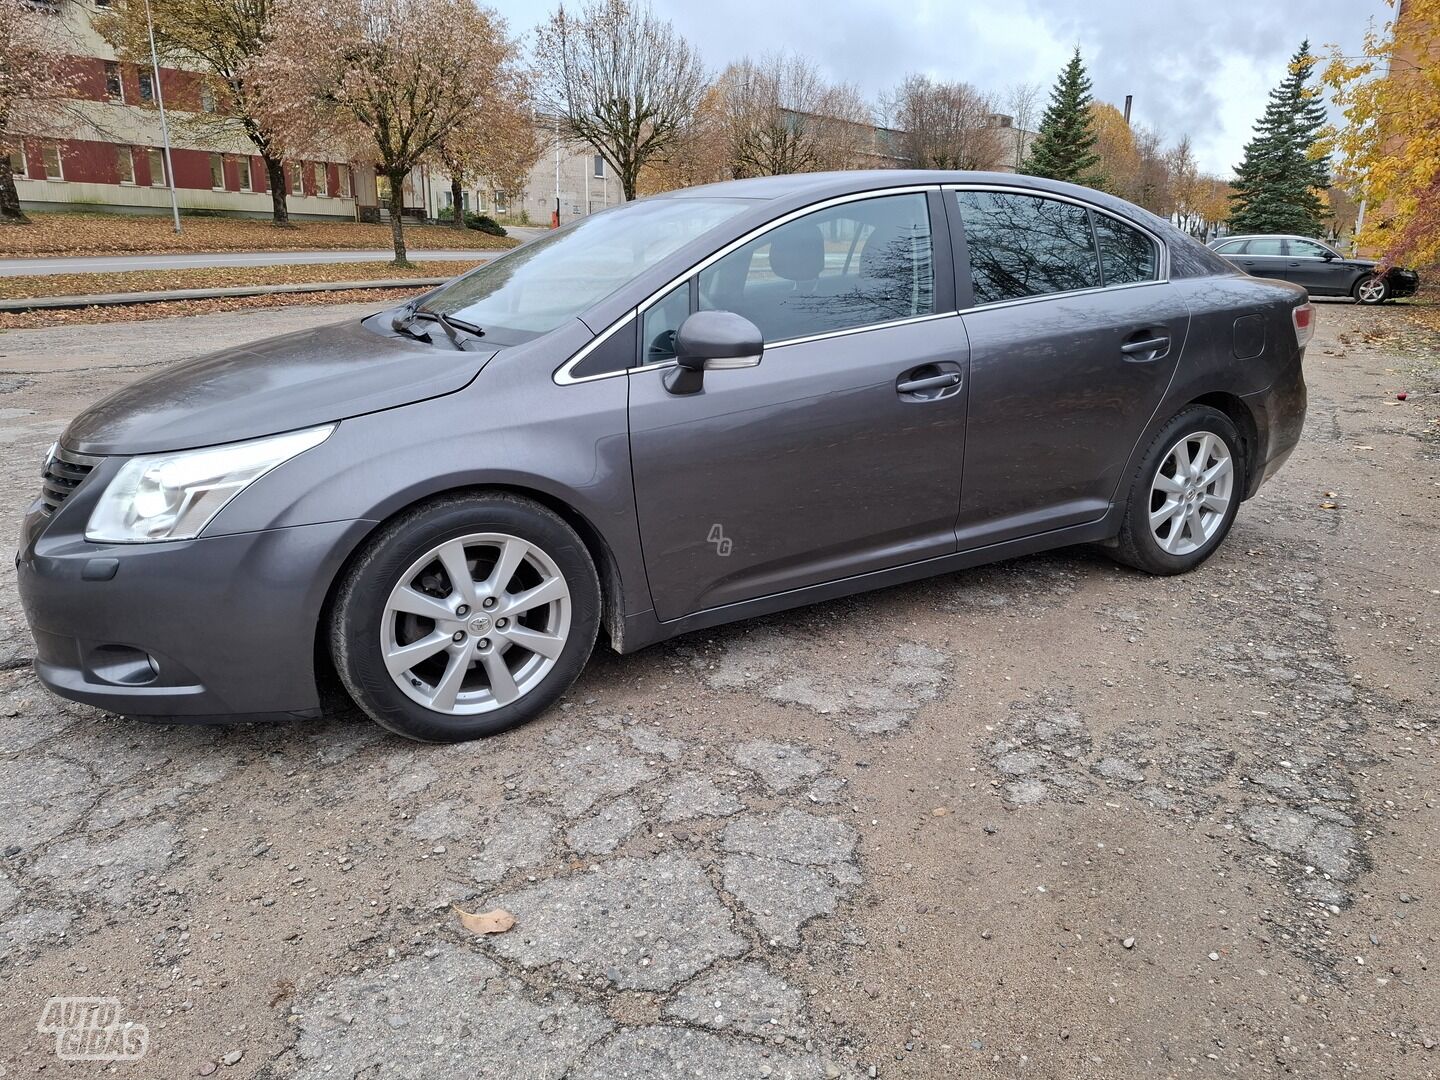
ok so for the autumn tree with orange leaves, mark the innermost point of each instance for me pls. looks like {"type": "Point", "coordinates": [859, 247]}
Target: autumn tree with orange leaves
{"type": "Point", "coordinates": [1389, 145]}
{"type": "Point", "coordinates": [362, 74]}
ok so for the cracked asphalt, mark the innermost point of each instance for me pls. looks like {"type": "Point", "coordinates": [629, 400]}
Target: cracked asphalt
{"type": "Point", "coordinates": [1048, 818]}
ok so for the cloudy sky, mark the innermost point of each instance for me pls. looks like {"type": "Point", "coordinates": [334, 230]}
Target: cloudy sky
{"type": "Point", "coordinates": [1201, 67]}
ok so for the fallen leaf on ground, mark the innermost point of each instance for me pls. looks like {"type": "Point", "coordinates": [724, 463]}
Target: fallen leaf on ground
{"type": "Point", "coordinates": [1329, 506]}
{"type": "Point", "coordinates": [940, 811]}
{"type": "Point", "coordinates": [1364, 448]}
{"type": "Point", "coordinates": [486, 922]}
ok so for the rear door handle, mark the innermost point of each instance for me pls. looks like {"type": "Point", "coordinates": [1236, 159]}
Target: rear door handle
{"type": "Point", "coordinates": [930, 382]}
{"type": "Point", "coordinates": [1154, 346]}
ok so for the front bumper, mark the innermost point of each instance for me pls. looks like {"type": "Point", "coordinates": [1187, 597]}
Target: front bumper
{"type": "Point", "coordinates": [1402, 282]}
{"type": "Point", "coordinates": [213, 628]}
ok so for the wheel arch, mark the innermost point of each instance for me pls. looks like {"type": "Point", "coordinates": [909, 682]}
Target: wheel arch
{"type": "Point", "coordinates": [612, 605]}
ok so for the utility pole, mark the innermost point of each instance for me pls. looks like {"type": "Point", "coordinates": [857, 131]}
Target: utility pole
{"type": "Point", "coordinates": [1129, 100]}
{"type": "Point", "coordinates": [164, 125]}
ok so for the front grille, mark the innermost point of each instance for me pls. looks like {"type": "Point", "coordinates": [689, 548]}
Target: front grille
{"type": "Point", "coordinates": [63, 474]}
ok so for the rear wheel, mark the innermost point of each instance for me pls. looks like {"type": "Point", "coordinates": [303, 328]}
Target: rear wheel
{"type": "Point", "coordinates": [1185, 495]}
{"type": "Point", "coordinates": [1372, 290]}
{"type": "Point", "coordinates": [465, 617]}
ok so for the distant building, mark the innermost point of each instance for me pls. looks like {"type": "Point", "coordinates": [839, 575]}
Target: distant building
{"type": "Point", "coordinates": [112, 158]}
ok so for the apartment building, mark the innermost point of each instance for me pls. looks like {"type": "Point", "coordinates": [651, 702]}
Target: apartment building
{"type": "Point", "coordinates": [105, 151]}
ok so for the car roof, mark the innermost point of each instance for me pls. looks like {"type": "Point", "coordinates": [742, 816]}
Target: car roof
{"type": "Point", "coordinates": [1269, 236]}
{"type": "Point", "coordinates": [819, 185]}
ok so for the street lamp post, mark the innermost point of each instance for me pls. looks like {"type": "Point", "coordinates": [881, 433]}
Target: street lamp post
{"type": "Point", "coordinates": [164, 124]}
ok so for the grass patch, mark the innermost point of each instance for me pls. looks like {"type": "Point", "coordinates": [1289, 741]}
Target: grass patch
{"type": "Point", "coordinates": [217, 277]}
{"type": "Point", "coordinates": [51, 234]}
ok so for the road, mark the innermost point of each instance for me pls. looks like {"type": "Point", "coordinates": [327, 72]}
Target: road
{"type": "Point", "coordinates": [1046, 819]}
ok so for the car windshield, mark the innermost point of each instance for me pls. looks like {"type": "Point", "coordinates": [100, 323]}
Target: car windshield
{"type": "Point", "coordinates": [547, 281]}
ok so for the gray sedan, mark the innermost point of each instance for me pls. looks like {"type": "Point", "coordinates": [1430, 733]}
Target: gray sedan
{"type": "Point", "coordinates": [708, 405]}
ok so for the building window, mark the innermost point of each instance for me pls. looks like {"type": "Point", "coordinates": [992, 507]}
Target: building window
{"type": "Point", "coordinates": [124, 165]}
{"type": "Point", "coordinates": [207, 98]}
{"type": "Point", "coordinates": [502, 203]}
{"type": "Point", "coordinates": [157, 167]}
{"type": "Point", "coordinates": [147, 86]}
{"type": "Point", "coordinates": [243, 170]}
{"type": "Point", "coordinates": [114, 88]}
{"type": "Point", "coordinates": [599, 166]}
{"type": "Point", "coordinates": [297, 178]}
{"type": "Point", "coordinates": [54, 169]}
{"type": "Point", "coordinates": [344, 172]}
{"type": "Point", "coordinates": [217, 172]}
{"type": "Point", "coordinates": [322, 180]}
{"type": "Point", "coordinates": [18, 168]}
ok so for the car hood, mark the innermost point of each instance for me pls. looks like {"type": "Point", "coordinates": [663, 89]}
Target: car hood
{"type": "Point", "coordinates": [312, 377]}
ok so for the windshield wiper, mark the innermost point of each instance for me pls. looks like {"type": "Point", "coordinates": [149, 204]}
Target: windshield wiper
{"type": "Point", "coordinates": [452, 326]}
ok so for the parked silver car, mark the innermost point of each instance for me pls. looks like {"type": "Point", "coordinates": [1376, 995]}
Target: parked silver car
{"type": "Point", "coordinates": [703, 406]}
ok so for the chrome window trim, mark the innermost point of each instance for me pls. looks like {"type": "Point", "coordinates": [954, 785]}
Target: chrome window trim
{"type": "Point", "coordinates": [562, 374]}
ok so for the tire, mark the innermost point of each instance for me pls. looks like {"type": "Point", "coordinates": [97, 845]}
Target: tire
{"type": "Point", "coordinates": [472, 669]}
{"type": "Point", "coordinates": [1161, 549]}
{"type": "Point", "coordinates": [1371, 290]}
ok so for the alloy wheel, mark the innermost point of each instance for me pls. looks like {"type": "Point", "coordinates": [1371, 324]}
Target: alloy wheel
{"type": "Point", "coordinates": [1191, 493]}
{"type": "Point", "coordinates": [475, 623]}
{"type": "Point", "coordinates": [1371, 291]}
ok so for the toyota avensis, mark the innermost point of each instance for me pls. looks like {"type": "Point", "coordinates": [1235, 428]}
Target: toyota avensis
{"type": "Point", "coordinates": [708, 405]}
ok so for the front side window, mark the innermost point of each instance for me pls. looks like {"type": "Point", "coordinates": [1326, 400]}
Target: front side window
{"type": "Point", "coordinates": [662, 320]}
{"type": "Point", "coordinates": [1234, 247]}
{"type": "Point", "coordinates": [1308, 249]}
{"type": "Point", "coordinates": [124, 165]}
{"type": "Point", "coordinates": [535, 288]}
{"type": "Point", "coordinates": [1127, 255]}
{"type": "Point", "coordinates": [857, 264]}
{"type": "Point", "coordinates": [1024, 245]}
{"type": "Point", "coordinates": [1265, 245]}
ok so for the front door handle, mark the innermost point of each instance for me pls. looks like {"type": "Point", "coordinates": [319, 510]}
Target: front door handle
{"type": "Point", "coordinates": [930, 382]}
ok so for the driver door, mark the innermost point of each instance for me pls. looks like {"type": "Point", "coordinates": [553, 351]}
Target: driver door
{"type": "Point", "coordinates": [818, 463]}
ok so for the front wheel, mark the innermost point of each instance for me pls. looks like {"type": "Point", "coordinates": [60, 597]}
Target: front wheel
{"type": "Point", "coordinates": [465, 617]}
{"type": "Point", "coordinates": [1185, 495]}
{"type": "Point", "coordinates": [1372, 290]}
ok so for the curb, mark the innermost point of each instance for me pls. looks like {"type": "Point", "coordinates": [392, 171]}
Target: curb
{"type": "Point", "coordinates": [48, 303]}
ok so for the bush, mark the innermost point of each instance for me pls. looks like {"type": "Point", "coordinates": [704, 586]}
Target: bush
{"type": "Point", "coordinates": [479, 222]}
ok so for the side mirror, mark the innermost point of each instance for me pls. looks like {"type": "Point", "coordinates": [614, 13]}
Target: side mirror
{"type": "Point", "coordinates": [1329, 256]}
{"type": "Point", "coordinates": [712, 341]}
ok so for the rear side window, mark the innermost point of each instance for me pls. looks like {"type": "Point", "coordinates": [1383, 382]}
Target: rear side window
{"type": "Point", "coordinates": [1023, 245]}
{"type": "Point", "coordinates": [1265, 245]}
{"type": "Point", "coordinates": [1127, 255]}
{"type": "Point", "coordinates": [857, 264]}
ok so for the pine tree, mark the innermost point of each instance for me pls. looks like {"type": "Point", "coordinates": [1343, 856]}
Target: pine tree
{"type": "Point", "coordinates": [1064, 148]}
{"type": "Point", "coordinates": [1278, 185]}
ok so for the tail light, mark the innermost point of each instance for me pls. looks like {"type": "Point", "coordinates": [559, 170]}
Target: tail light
{"type": "Point", "coordinates": [1303, 317]}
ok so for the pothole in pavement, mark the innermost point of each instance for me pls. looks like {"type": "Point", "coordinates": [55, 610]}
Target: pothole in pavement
{"type": "Point", "coordinates": [656, 897]}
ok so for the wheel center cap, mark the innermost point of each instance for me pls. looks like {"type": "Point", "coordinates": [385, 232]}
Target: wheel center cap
{"type": "Point", "coordinates": [480, 624]}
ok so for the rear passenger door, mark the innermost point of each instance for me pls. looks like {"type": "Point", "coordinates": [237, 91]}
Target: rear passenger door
{"type": "Point", "coordinates": [1074, 337]}
{"type": "Point", "coordinates": [1264, 256]}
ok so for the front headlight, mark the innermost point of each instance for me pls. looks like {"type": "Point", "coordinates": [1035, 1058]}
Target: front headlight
{"type": "Point", "coordinates": [174, 496]}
